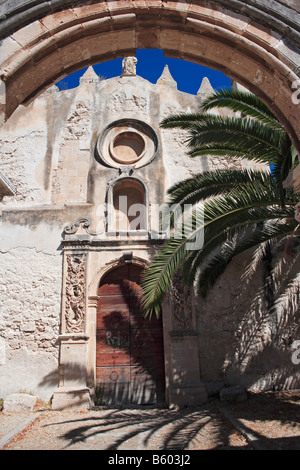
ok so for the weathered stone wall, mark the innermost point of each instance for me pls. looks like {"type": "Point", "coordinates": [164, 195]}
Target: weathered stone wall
{"type": "Point", "coordinates": [48, 151]}
{"type": "Point", "coordinates": [49, 154]}
{"type": "Point", "coordinates": [30, 294]}
{"type": "Point", "coordinates": [23, 149]}
{"type": "Point", "coordinates": [248, 323]}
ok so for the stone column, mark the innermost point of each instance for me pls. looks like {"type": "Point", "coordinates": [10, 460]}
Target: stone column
{"type": "Point", "coordinates": [73, 391]}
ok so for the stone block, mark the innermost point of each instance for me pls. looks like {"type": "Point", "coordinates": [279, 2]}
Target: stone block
{"type": "Point", "coordinates": [170, 40]}
{"type": "Point", "coordinates": [262, 35]}
{"type": "Point", "coordinates": [29, 327]}
{"type": "Point", "coordinates": [68, 398]}
{"type": "Point", "coordinates": [19, 402]}
{"type": "Point", "coordinates": [188, 394]}
{"type": "Point", "coordinates": [31, 33]}
{"type": "Point", "coordinates": [233, 394]}
{"type": "Point", "coordinates": [9, 46]}
{"type": "Point", "coordinates": [58, 21]}
{"type": "Point", "coordinates": [88, 12]}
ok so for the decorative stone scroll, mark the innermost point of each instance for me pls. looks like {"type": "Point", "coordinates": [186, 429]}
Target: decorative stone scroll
{"type": "Point", "coordinates": [182, 303]}
{"type": "Point", "coordinates": [82, 221]}
{"type": "Point", "coordinates": [75, 293]}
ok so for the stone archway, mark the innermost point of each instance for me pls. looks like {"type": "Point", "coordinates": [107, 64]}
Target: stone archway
{"type": "Point", "coordinates": [255, 43]}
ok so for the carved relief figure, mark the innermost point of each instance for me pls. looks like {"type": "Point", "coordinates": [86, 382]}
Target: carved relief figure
{"type": "Point", "coordinates": [75, 293]}
{"type": "Point", "coordinates": [129, 66]}
{"type": "Point", "coordinates": [182, 305]}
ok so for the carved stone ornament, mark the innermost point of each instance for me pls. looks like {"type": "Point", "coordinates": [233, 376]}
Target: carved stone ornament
{"type": "Point", "coordinates": [75, 293]}
{"type": "Point", "coordinates": [182, 304]}
{"type": "Point", "coordinates": [84, 221]}
{"type": "Point", "coordinates": [126, 170]}
{"type": "Point", "coordinates": [129, 66]}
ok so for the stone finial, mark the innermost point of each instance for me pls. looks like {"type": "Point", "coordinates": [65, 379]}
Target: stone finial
{"type": "Point", "coordinates": [129, 67]}
{"type": "Point", "coordinates": [205, 89]}
{"type": "Point", "coordinates": [89, 76]}
{"type": "Point", "coordinates": [166, 78]}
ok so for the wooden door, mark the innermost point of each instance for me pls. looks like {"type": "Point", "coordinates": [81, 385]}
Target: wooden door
{"type": "Point", "coordinates": [130, 357]}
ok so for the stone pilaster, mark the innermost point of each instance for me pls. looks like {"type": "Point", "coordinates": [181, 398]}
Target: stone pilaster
{"type": "Point", "coordinates": [73, 391]}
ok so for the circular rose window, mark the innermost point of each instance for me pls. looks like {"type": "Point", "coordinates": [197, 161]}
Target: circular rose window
{"type": "Point", "coordinates": [127, 142]}
{"type": "Point", "coordinates": [127, 147]}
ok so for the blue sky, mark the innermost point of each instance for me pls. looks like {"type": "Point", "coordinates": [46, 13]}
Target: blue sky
{"type": "Point", "coordinates": [151, 62]}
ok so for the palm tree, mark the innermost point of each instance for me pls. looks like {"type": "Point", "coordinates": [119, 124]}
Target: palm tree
{"type": "Point", "coordinates": [241, 209]}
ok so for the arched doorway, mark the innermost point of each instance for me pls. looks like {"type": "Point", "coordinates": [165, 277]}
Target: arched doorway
{"type": "Point", "coordinates": [129, 351]}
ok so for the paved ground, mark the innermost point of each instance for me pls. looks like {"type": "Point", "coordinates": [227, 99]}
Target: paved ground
{"type": "Point", "coordinates": [264, 421]}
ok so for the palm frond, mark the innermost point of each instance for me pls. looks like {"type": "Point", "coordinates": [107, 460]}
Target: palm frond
{"type": "Point", "coordinates": [157, 277]}
{"type": "Point", "coordinates": [214, 240]}
{"type": "Point", "coordinates": [217, 265]}
{"type": "Point", "coordinates": [180, 121]}
{"type": "Point", "coordinates": [227, 130]}
{"type": "Point", "coordinates": [220, 214]}
{"type": "Point", "coordinates": [242, 209]}
{"type": "Point", "coordinates": [212, 183]}
{"type": "Point", "coordinates": [245, 103]}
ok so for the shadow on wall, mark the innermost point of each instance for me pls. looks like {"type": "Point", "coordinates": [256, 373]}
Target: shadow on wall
{"type": "Point", "coordinates": [138, 376]}
{"type": "Point", "coordinates": [261, 356]}
{"type": "Point", "coordinates": [74, 370]}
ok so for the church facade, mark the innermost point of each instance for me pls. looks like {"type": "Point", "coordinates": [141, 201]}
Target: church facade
{"type": "Point", "coordinates": [90, 169]}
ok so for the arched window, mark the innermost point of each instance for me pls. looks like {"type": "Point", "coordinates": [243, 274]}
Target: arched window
{"type": "Point", "coordinates": [128, 206]}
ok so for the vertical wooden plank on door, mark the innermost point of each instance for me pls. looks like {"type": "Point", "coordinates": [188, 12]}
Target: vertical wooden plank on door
{"type": "Point", "coordinates": [130, 359]}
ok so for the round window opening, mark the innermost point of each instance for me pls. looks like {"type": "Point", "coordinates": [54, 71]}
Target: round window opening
{"type": "Point", "coordinates": [127, 147]}
{"type": "Point", "coordinates": [127, 142]}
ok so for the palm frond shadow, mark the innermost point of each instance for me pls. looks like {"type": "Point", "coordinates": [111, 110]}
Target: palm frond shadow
{"type": "Point", "coordinates": [174, 430]}
{"type": "Point", "coordinates": [268, 329]}
{"type": "Point", "coordinates": [147, 388]}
